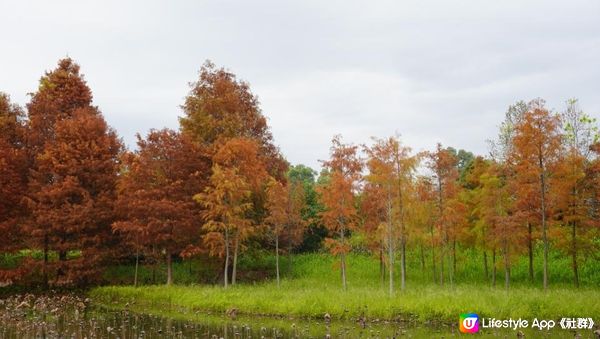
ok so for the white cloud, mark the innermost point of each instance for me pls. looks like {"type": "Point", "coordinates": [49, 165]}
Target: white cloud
{"type": "Point", "coordinates": [431, 70]}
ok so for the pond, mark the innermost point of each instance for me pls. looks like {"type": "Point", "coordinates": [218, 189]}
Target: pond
{"type": "Point", "coordinates": [71, 316]}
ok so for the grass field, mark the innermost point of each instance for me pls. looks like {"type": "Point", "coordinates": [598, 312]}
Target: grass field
{"type": "Point", "coordinates": [363, 270]}
{"type": "Point", "coordinates": [313, 288]}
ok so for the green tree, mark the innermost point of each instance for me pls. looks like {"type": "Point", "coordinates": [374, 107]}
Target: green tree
{"type": "Point", "coordinates": [315, 231]}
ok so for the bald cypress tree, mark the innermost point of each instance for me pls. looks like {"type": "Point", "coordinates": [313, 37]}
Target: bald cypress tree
{"type": "Point", "coordinates": [73, 156]}
{"type": "Point", "coordinates": [13, 185]}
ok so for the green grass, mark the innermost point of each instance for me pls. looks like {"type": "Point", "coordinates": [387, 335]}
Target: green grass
{"type": "Point", "coordinates": [259, 266]}
{"type": "Point", "coordinates": [424, 303]}
{"type": "Point", "coordinates": [313, 288]}
{"type": "Point", "coordinates": [12, 260]}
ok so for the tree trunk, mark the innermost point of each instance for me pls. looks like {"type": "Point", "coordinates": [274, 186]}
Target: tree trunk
{"type": "Point", "coordinates": [422, 257]}
{"type": "Point", "coordinates": [235, 256]}
{"type": "Point", "coordinates": [154, 263]}
{"type": "Point", "coordinates": [450, 271]}
{"type": "Point", "coordinates": [544, 230]}
{"type": "Point", "coordinates": [290, 236]}
{"type": "Point", "coordinates": [153, 271]}
{"type": "Point", "coordinates": [433, 255]}
{"type": "Point", "coordinates": [277, 257]}
{"type": "Point", "coordinates": [494, 267]}
{"type": "Point", "coordinates": [290, 252]}
{"type": "Point", "coordinates": [574, 254]}
{"type": "Point", "coordinates": [62, 257]}
{"type": "Point", "coordinates": [530, 250]}
{"type": "Point", "coordinates": [289, 262]}
{"type": "Point", "coordinates": [343, 260]}
{"type": "Point", "coordinates": [46, 245]}
{"type": "Point", "coordinates": [454, 257]}
{"type": "Point", "coordinates": [226, 269]}
{"type": "Point", "coordinates": [402, 230]}
{"type": "Point", "coordinates": [169, 268]}
{"type": "Point", "coordinates": [137, 262]}
{"type": "Point", "coordinates": [506, 266]}
{"type": "Point", "coordinates": [453, 273]}
{"type": "Point", "coordinates": [403, 264]}
{"type": "Point", "coordinates": [444, 233]}
{"type": "Point", "coordinates": [442, 265]}
{"type": "Point", "coordinates": [485, 265]}
{"type": "Point", "coordinates": [382, 265]}
{"type": "Point", "coordinates": [390, 241]}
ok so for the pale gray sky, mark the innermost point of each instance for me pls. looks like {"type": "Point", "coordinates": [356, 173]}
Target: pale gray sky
{"type": "Point", "coordinates": [430, 70]}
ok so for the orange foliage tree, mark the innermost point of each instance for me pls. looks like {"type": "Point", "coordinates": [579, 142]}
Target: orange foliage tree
{"type": "Point", "coordinates": [479, 232]}
{"type": "Point", "coordinates": [297, 224]}
{"type": "Point", "coordinates": [496, 208]}
{"type": "Point", "coordinates": [338, 197]}
{"type": "Point", "coordinates": [391, 166]}
{"type": "Point", "coordinates": [72, 181]}
{"type": "Point", "coordinates": [424, 220]}
{"type": "Point", "coordinates": [231, 197]}
{"type": "Point", "coordinates": [284, 212]}
{"type": "Point", "coordinates": [223, 115]}
{"type": "Point", "coordinates": [456, 222]}
{"type": "Point", "coordinates": [572, 195]}
{"type": "Point", "coordinates": [156, 188]}
{"type": "Point", "coordinates": [221, 107]}
{"type": "Point", "coordinates": [442, 164]}
{"type": "Point", "coordinates": [536, 151]}
{"type": "Point", "coordinates": [13, 180]}
{"type": "Point", "coordinates": [373, 214]}
{"type": "Point", "coordinates": [593, 178]}
{"type": "Point", "coordinates": [523, 187]}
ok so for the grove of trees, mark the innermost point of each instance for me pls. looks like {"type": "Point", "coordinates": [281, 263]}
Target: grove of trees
{"type": "Point", "coordinates": [74, 200]}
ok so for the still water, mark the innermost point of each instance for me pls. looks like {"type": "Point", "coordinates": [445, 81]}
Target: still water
{"type": "Point", "coordinates": [71, 316]}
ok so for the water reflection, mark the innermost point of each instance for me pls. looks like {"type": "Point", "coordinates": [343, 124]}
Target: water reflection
{"type": "Point", "coordinates": [70, 316]}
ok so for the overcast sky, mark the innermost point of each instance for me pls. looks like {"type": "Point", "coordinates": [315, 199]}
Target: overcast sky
{"type": "Point", "coordinates": [433, 71]}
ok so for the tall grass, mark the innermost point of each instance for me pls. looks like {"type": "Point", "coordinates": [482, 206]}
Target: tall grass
{"type": "Point", "coordinates": [313, 288]}
{"type": "Point", "coordinates": [423, 303]}
{"type": "Point", "coordinates": [363, 270]}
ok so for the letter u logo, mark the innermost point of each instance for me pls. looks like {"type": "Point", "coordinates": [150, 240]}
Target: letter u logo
{"type": "Point", "coordinates": [469, 323]}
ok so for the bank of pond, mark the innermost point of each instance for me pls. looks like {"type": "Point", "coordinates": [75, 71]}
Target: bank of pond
{"type": "Point", "coordinates": [309, 302]}
{"type": "Point", "coordinates": [53, 315]}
